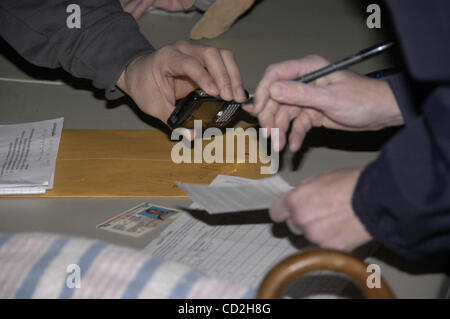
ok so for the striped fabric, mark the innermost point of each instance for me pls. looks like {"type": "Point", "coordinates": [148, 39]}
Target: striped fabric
{"type": "Point", "coordinates": [39, 265]}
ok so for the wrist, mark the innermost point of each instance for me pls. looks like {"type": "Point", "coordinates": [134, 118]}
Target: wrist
{"type": "Point", "coordinates": [124, 78]}
{"type": "Point", "coordinates": [121, 81]}
{"type": "Point", "coordinates": [391, 113]}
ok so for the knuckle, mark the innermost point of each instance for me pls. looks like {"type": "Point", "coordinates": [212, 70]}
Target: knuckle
{"type": "Point", "coordinates": [225, 80]}
{"type": "Point", "coordinates": [165, 51]}
{"type": "Point", "coordinates": [211, 51]}
{"type": "Point", "coordinates": [298, 219]}
{"type": "Point", "coordinates": [291, 199]}
{"type": "Point", "coordinates": [314, 234]}
{"type": "Point", "coordinates": [237, 83]}
{"type": "Point", "coordinates": [275, 215]}
{"type": "Point", "coordinates": [294, 94]}
{"type": "Point", "coordinates": [227, 53]}
{"type": "Point", "coordinates": [272, 69]}
{"type": "Point", "coordinates": [264, 121]}
{"type": "Point", "coordinates": [281, 120]}
{"type": "Point", "coordinates": [315, 58]}
{"type": "Point", "coordinates": [181, 44]}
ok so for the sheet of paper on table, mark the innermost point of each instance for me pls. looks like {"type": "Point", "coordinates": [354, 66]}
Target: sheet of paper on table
{"type": "Point", "coordinates": [239, 253]}
{"type": "Point", "coordinates": [28, 155]}
{"type": "Point", "coordinates": [240, 250]}
{"type": "Point", "coordinates": [228, 194]}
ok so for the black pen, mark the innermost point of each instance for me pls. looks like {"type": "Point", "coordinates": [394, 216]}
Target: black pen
{"type": "Point", "coordinates": [342, 64]}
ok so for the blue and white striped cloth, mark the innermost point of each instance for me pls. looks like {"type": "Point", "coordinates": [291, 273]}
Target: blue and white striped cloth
{"type": "Point", "coordinates": [35, 265]}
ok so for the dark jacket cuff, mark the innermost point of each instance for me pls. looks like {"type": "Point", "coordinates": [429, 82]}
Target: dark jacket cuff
{"type": "Point", "coordinates": [403, 92]}
{"type": "Point", "coordinates": [105, 48]}
{"type": "Point", "coordinates": [378, 220]}
{"type": "Point", "coordinates": [118, 45]}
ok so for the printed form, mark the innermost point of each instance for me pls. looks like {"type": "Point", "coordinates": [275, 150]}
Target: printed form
{"type": "Point", "coordinates": [237, 253]}
{"type": "Point", "coordinates": [28, 156]}
{"type": "Point", "coordinates": [240, 248]}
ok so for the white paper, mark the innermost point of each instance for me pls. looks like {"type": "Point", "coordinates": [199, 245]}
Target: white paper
{"type": "Point", "coordinates": [236, 253]}
{"type": "Point", "coordinates": [28, 156]}
{"type": "Point", "coordinates": [233, 195]}
{"type": "Point", "coordinates": [222, 180]}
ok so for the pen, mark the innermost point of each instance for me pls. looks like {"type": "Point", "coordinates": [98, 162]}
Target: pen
{"type": "Point", "coordinates": [342, 64]}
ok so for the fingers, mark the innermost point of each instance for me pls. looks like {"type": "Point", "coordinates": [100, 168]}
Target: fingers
{"type": "Point", "coordinates": [221, 65]}
{"type": "Point", "coordinates": [169, 5]}
{"type": "Point", "coordinates": [296, 93]}
{"type": "Point", "coordinates": [279, 212]}
{"type": "Point", "coordinates": [287, 70]}
{"type": "Point", "coordinates": [320, 208]}
{"type": "Point", "coordinates": [235, 75]}
{"type": "Point", "coordinates": [300, 126]}
{"type": "Point", "coordinates": [184, 65]}
{"type": "Point", "coordinates": [278, 116]}
{"type": "Point", "coordinates": [216, 66]}
{"type": "Point", "coordinates": [248, 108]}
{"type": "Point", "coordinates": [137, 8]}
{"type": "Point", "coordinates": [267, 117]}
{"type": "Point", "coordinates": [283, 118]}
{"type": "Point", "coordinates": [296, 230]}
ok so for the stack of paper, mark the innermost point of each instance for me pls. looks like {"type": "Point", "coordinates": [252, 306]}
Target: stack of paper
{"type": "Point", "coordinates": [228, 194]}
{"type": "Point", "coordinates": [28, 156]}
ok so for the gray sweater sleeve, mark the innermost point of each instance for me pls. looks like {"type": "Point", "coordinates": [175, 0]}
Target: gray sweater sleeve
{"type": "Point", "coordinates": [99, 50]}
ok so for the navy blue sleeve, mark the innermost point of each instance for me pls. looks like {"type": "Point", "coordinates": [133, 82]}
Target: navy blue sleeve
{"type": "Point", "coordinates": [107, 41]}
{"type": "Point", "coordinates": [403, 198]}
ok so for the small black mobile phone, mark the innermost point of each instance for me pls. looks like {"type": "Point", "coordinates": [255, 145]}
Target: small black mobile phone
{"type": "Point", "coordinates": [197, 105]}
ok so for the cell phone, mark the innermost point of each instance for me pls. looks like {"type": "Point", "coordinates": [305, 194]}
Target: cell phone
{"type": "Point", "coordinates": [197, 105]}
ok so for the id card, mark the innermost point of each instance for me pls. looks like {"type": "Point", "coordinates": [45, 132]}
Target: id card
{"type": "Point", "coordinates": [139, 220]}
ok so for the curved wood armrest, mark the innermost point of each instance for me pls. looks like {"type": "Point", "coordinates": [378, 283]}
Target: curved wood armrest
{"type": "Point", "coordinates": [290, 269]}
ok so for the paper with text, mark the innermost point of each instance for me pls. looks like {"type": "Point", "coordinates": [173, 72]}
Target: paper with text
{"type": "Point", "coordinates": [239, 253]}
{"type": "Point", "coordinates": [28, 155]}
{"type": "Point", "coordinates": [236, 194]}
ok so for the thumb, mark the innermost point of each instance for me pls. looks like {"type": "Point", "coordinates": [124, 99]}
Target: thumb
{"type": "Point", "coordinates": [301, 94]}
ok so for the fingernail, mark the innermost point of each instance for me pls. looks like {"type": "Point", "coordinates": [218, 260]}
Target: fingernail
{"type": "Point", "coordinates": [247, 107]}
{"type": "Point", "coordinates": [294, 146]}
{"type": "Point", "coordinates": [214, 89]}
{"type": "Point", "coordinates": [228, 93]}
{"type": "Point", "coordinates": [276, 90]}
{"type": "Point", "coordinates": [241, 94]}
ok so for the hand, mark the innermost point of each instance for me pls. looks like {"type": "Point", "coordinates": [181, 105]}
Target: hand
{"type": "Point", "coordinates": [155, 81]}
{"type": "Point", "coordinates": [321, 209]}
{"type": "Point", "coordinates": [137, 8]}
{"type": "Point", "coordinates": [342, 100]}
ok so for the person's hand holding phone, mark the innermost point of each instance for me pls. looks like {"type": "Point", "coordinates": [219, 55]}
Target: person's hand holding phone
{"type": "Point", "coordinates": [155, 81]}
